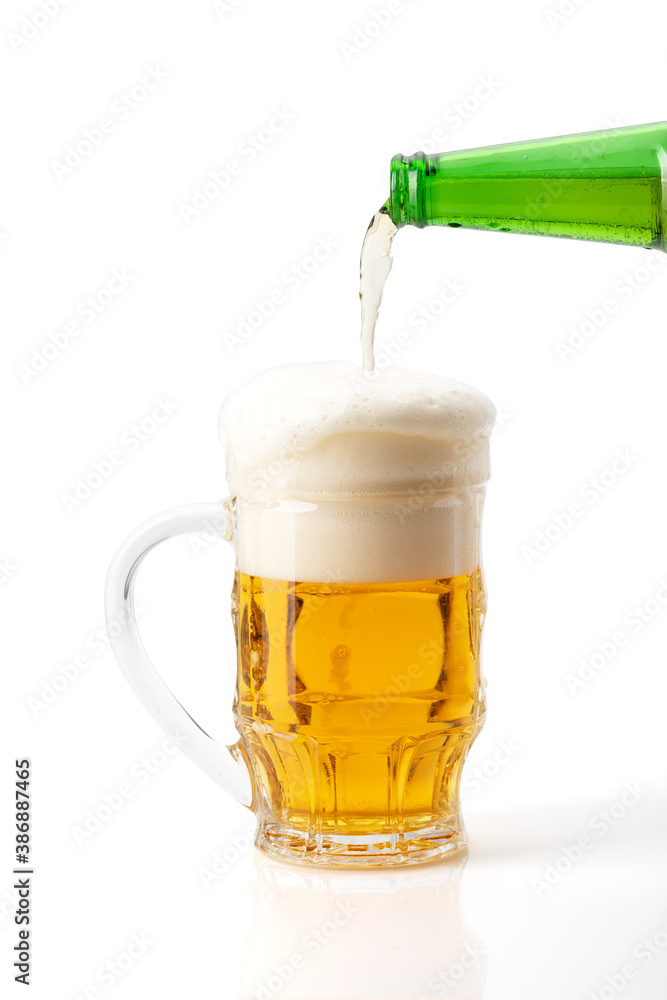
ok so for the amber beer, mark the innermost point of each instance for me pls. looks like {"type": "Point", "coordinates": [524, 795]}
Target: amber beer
{"type": "Point", "coordinates": [360, 701]}
{"type": "Point", "coordinates": [358, 605]}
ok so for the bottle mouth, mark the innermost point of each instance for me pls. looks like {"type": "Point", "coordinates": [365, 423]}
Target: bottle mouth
{"type": "Point", "coordinates": [407, 190]}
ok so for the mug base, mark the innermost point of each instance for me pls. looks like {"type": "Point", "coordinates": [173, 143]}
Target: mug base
{"type": "Point", "coordinates": [331, 851]}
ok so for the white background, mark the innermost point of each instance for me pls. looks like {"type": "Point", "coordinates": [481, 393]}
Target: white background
{"type": "Point", "coordinates": [446, 75]}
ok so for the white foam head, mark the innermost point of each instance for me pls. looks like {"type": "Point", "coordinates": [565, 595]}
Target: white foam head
{"type": "Point", "coordinates": [353, 476]}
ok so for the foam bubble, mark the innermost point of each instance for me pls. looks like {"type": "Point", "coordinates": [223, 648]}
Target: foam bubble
{"type": "Point", "coordinates": [351, 476]}
{"type": "Point", "coordinates": [334, 430]}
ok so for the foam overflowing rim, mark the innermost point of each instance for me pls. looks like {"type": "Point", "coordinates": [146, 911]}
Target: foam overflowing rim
{"type": "Point", "coordinates": [333, 429]}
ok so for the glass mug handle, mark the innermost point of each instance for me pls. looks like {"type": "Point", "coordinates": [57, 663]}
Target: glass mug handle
{"type": "Point", "coordinates": [226, 765]}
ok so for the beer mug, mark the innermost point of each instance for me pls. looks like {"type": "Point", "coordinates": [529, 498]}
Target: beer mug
{"type": "Point", "coordinates": [358, 604]}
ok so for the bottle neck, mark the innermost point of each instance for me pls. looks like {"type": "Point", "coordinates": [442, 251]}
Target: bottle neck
{"type": "Point", "coordinates": [604, 186]}
{"type": "Point", "coordinates": [407, 197]}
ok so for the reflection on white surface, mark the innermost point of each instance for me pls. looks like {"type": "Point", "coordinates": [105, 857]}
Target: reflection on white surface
{"type": "Point", "coordinates": [344, 935]}
{"type": "Point", "coordinates": [552, 903]}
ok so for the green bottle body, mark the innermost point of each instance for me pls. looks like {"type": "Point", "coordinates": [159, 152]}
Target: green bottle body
{"type": "Point", "coordinates": [606, 186]}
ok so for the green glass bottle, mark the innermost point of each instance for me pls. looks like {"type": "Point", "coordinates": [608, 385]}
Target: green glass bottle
{"type": "Point", "coordinates": [607, 186]}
